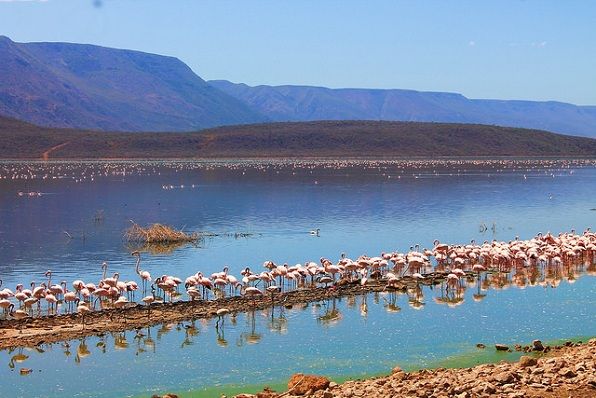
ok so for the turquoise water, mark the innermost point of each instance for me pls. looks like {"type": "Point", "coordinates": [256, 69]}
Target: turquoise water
{"type": "Point", "coordinates": [360, 209]}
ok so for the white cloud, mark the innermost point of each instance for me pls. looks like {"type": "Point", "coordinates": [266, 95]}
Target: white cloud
{"type": "Point", "coordinates": [471, 43]}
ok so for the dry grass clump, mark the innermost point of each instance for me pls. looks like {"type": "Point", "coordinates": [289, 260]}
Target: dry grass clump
{"type": "Point", "coordinates": [158, 233]}
{"type": "Point", "coordinates": [156, 249]}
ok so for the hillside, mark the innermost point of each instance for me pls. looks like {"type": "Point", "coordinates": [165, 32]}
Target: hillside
{"type": "Point", "coordinates": [306, 139]}
{"type": "Point", "coordinates": [305, 103]}
{"type": "Point", "coordinates": [97, 88]}
{"type": "Point", "coordinates": [91, 87]}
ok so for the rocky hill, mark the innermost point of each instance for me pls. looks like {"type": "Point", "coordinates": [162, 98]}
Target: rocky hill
{"type": "Point", "coordinates": [91, 87]}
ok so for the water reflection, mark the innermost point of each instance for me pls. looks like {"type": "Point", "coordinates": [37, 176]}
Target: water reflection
{"type": "Point", "coordinates": [255, 326]}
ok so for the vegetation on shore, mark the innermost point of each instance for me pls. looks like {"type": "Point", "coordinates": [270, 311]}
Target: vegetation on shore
{"type": "Point", "coordinates": [373, 139]}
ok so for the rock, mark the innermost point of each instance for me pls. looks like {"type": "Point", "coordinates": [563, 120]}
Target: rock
{"type": "Point", "coordinates": [501, 347]}
{"type": "Point", "coordinates": [333, 384]}
{"type": "Point", "coordinates": [327, 394]}
{"type": "Point", "coordinates": [300, 384]}
{"type": "Point", "coordinates": [489, 388]}
{"type": "Point", "coordinates": [538, 345]}
{"type": "Point", "coordinates": [480, 345]}
{"type": "Point", "coordinates": [504, 378]}
{"type": "Point", "coordinates": [526, 361]}
{"type": "Point", "coordinates": [267, 393]}
{"type": "Point", "coordinates": [518, 347]}
{"type": "Point", "coordinates": [245, 396]}
{"type": "Point", "coordinates": [396, 369]}
{"type": "Point", "coordinates": [567, 373]}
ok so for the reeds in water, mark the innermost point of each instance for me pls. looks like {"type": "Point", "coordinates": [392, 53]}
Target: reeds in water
{"type": "Point", "coordinates": [158, 234]}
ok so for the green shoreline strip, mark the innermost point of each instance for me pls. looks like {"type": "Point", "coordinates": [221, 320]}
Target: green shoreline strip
{"type": "Point", "coordinates": [470, 358]}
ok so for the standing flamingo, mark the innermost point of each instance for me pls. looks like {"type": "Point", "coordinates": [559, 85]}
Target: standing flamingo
{"type": "Point", "coordinates": [145, 275]}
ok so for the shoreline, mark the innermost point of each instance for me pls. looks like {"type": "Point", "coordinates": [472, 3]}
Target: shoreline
{"type": "Point", "coordinates": [565, 370]}
{"type": "Point", "coordinates": [282, 158]}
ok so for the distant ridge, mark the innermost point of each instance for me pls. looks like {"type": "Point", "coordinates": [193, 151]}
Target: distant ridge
{"type": "Point", "coordinates": [92, 87]}
{"type": "Point", "coordinates": [298, 139]}
{"type": "Point", "coordinates": [98, 88]}
{"type": "Point", "coordinates": [307, 103]}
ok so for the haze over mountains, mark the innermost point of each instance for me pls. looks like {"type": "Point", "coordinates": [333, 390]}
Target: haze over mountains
{"type": "Point", "coordinates": [91, 87]}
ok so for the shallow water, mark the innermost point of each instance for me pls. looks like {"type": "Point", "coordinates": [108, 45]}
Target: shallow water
{"type": "Point", "coordinates": [360, 209]}
{"type": "Point", "coordinates": [345, 337]}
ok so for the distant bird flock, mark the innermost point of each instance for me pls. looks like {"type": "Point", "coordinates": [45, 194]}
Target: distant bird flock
{"type": "Point", "coordinates": [81, 172]}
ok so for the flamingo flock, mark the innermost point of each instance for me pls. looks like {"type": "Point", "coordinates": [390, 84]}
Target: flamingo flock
{"type": "Point", "coordinates": [450, 263]}
{"type": "Point", "coordinates": [92, 171]}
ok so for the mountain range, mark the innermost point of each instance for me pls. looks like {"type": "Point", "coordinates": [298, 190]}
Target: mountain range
{"type": "Point", "coordinates": [307, 103]}
{"type": "Point", "coordinates": [90, 87]}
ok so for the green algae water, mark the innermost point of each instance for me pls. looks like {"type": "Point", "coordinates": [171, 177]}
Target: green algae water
{"type": "Point", "coordinates": [362, 209]}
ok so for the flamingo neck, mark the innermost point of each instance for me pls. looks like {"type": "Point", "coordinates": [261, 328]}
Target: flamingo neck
{"type": "Point", "coordinates": [137, 265]}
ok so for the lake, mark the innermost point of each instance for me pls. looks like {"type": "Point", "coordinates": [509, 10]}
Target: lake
{"type": "Point", "coordinates": [77, 213]}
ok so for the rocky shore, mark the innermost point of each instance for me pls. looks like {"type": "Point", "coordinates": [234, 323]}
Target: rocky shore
{"type": "Point", "coordinates": [565, 371]}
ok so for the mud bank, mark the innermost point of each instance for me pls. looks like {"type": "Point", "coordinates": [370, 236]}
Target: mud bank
{"type": "Point", "coordinates": [53, 328]}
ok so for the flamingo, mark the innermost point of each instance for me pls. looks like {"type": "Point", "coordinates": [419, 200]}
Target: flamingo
{"type": "Point", "coordinates": [145, 275]}
{"type": "Point", "coordinates": [18, 314]}
{"type": "Point", "coordinates": [148, 300]}
{"type": "Point", "coordinates": [70, 298]}
{"type": "Point", "coordinates": [52, 301]}
{"type": "Point", "coordinates": [83, 309]}
{"type": "Point", "coordinates": [5, 304]}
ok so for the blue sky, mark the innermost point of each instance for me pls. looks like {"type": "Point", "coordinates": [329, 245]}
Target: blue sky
{"type": "Point", "coordinates": [536, 50]}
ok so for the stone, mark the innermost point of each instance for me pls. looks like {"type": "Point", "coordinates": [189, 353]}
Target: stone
{"type": "Point", "coordinates": [537, 344]}
{"type": "Point", "coordinates": [245, 396]}
{"type": "Point", "coordinates": [489, 388]}
{"type": "Point", "coordinates": [504, 377]}
{"type": "Point", "coordinates": [526, 361]}
{"type": "Point", "coordinates": [480, 345]}
{"type": "Point", "coordinates": [396, 369]}
{"type": "Point", "coordinates": [327, 394]}
{"type": "Point", "coordinates": [267, 393]}
{"type": "Point", "coordinates": [501, 347]}
{"type": "Point", "coordinates": [300, 384]}
{"type": "Point", "coordinates": [567, 373]}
